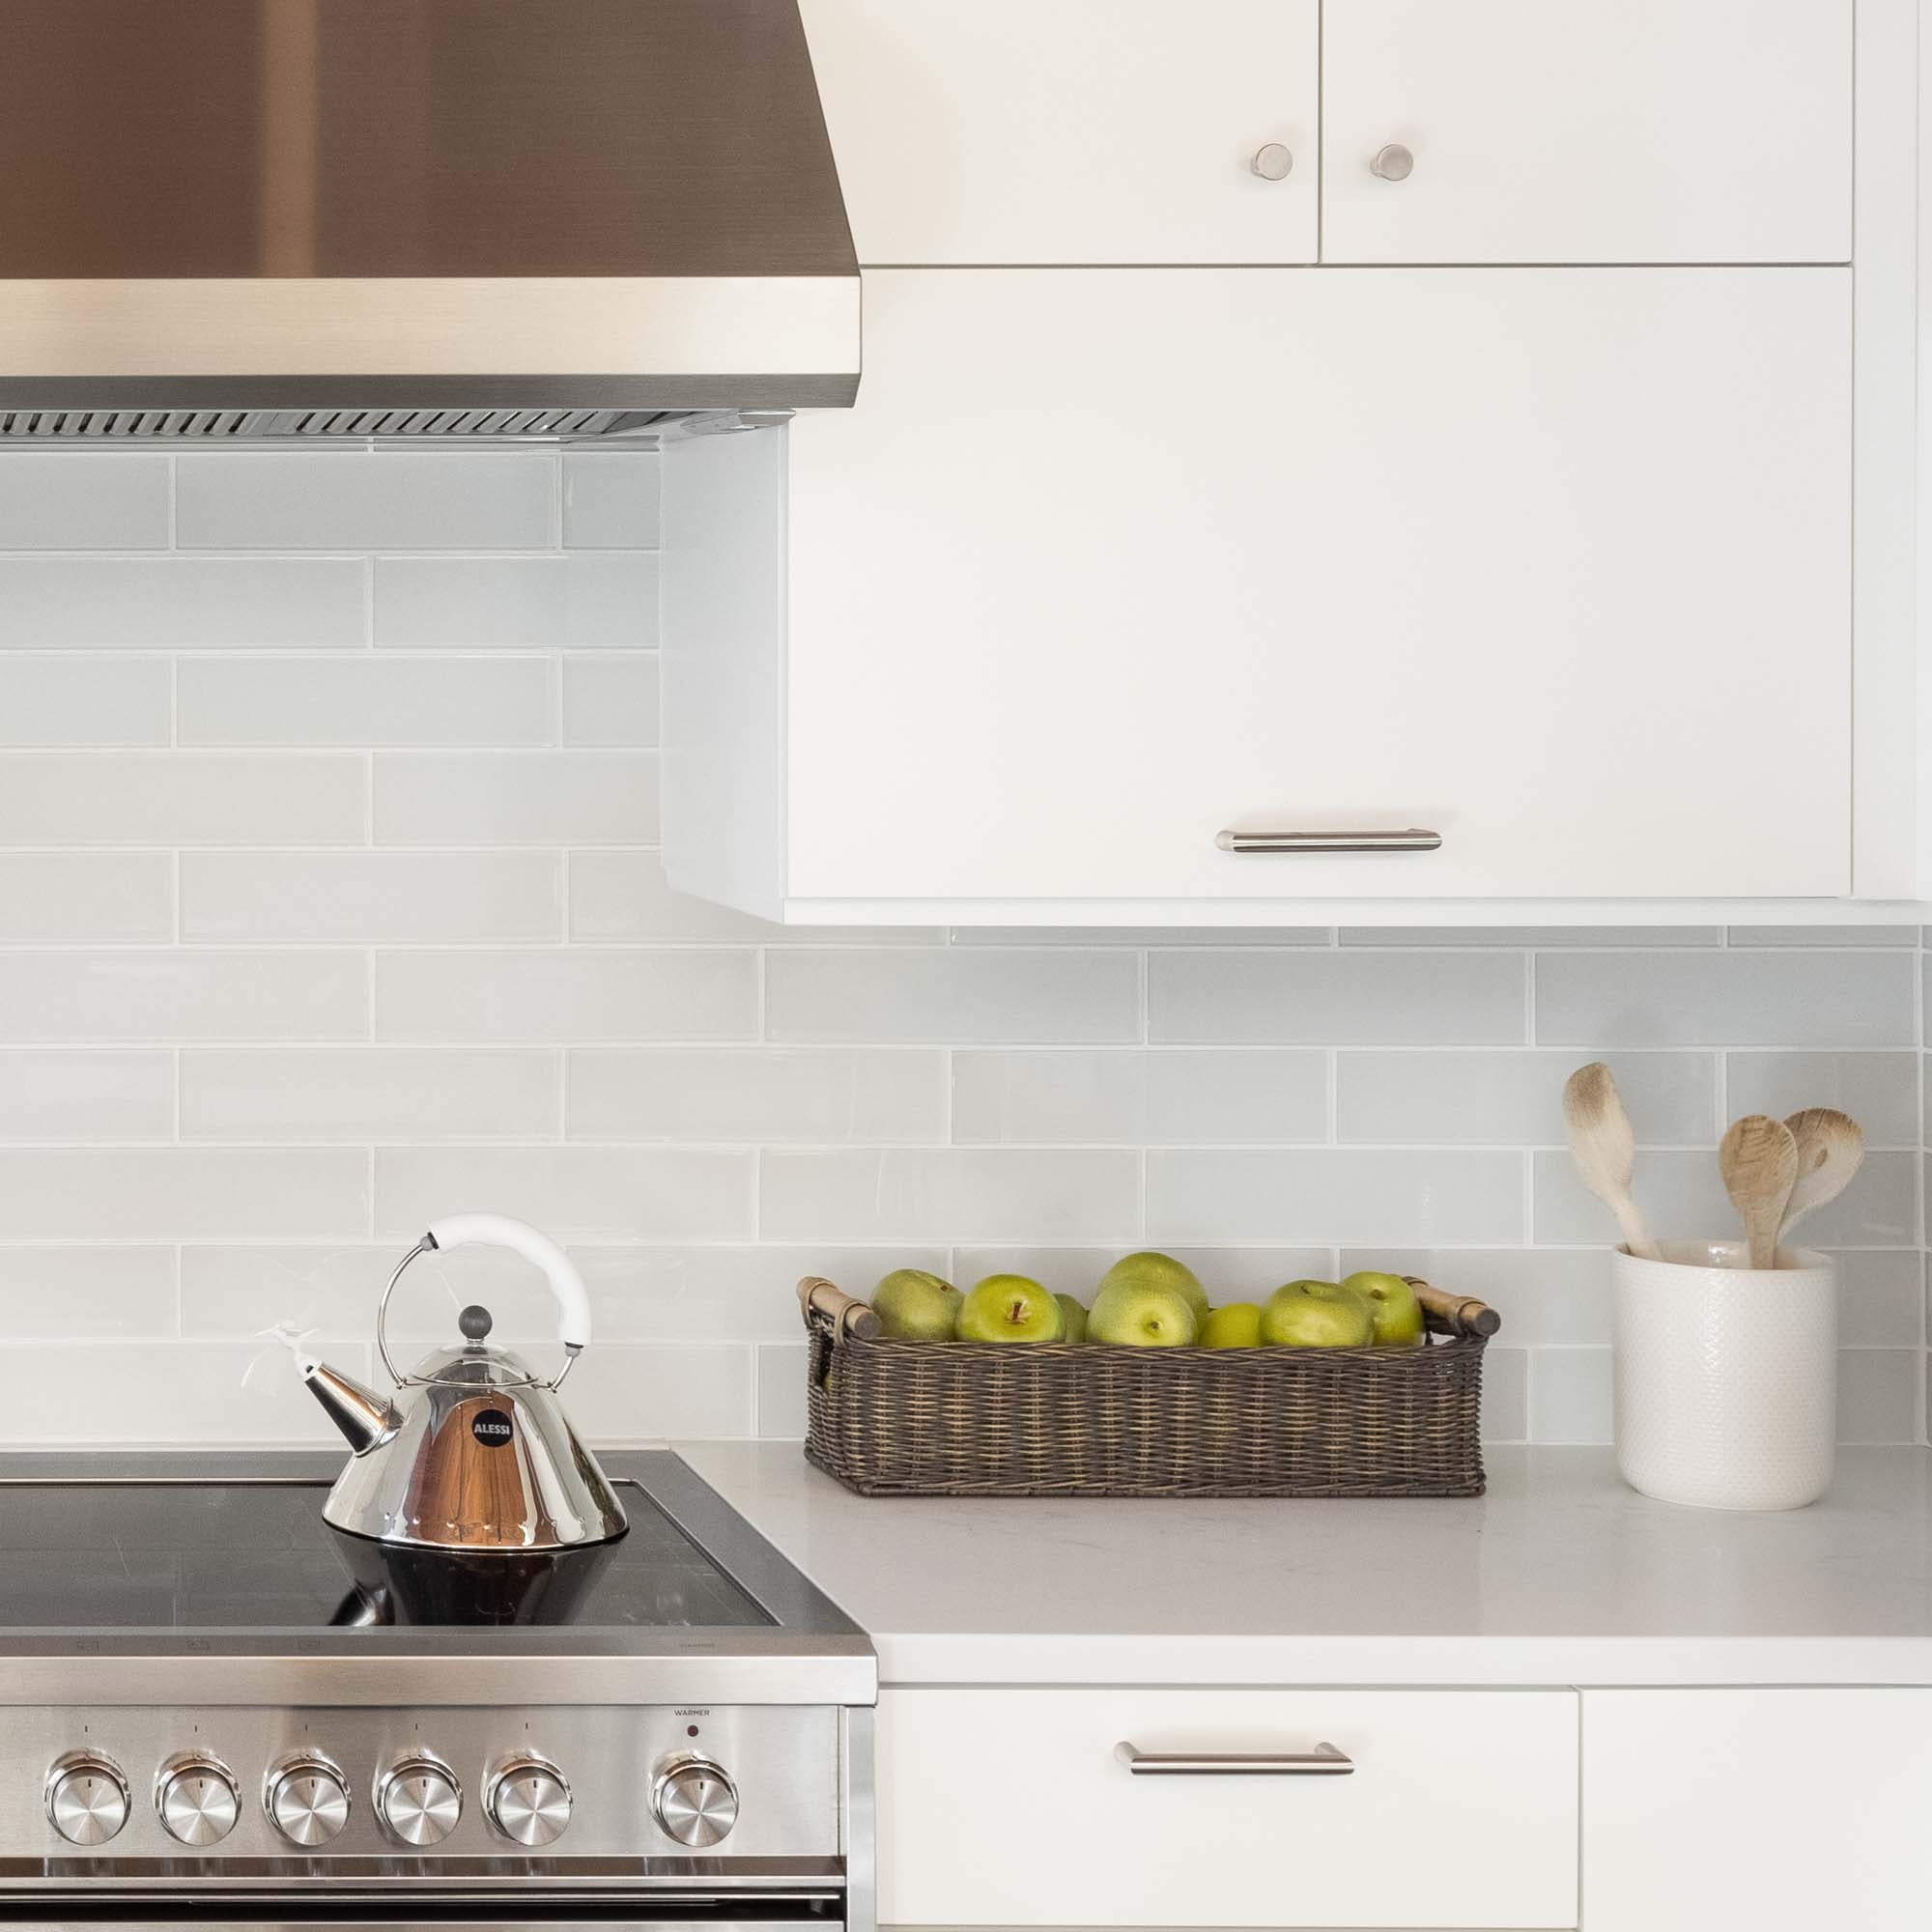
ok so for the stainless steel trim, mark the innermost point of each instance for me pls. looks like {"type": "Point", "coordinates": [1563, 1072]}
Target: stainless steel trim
{"type": "Point", "coordinates": [283, 403]}
{"type": "Point", "coordinates": [533, 1875]}
{"type": "Point", "coordinates": [1412, 839]}
{"type": "Point", "coordinates": [859, 1807]}
{"type": "Point", "coordinates": [476, 1916]}
{"type": "Point", "coordinates": [1323, 1761]}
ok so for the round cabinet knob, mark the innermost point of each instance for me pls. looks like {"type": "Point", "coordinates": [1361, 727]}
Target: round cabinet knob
{"type": "Point", "coordinates": [196, 1799]}
{"type": "Point", "coordinates": [1272, 162]}
{"type": "Point", "coordinates": [1393, 164]}
{"type": "Point", "coordinates": [419, 1801]}
{"type": "Point", "coordinates": [693, 1801]}
{"type": "Point", "coordinates": [306, 1799]}
{"type": "Point", "coordinates": [87, 1798]}
{"type": "Point", "coordinates": [528, 1801]}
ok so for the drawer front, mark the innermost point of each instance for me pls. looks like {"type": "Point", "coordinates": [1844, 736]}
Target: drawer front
{"type": "Point", "coordinates": [1567, 130]}
{"type": "Point", "coordinates": [1080, 132]}
{"type": "Point", "coordinates": [1013, 1807]}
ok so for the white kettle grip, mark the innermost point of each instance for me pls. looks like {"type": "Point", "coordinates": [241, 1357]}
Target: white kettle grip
{"type": "Point", "coordinates": [499, 1230]}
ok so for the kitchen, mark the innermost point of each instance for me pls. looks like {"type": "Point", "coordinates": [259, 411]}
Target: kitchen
{"type": "Point", "coordinates": [1105, 626]}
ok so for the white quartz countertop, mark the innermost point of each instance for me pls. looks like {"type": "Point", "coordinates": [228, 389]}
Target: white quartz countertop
{"type": "Point", "coordinates": [1559, 1576]}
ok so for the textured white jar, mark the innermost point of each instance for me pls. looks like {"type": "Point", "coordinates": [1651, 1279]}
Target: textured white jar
{"type": "Point", "coordinates": [1726, 1375]}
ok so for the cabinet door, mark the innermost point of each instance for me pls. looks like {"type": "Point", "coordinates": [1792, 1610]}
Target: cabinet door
{"type": "Point", "coordinates": [1071, 130]}
{"type": "Point", "coordinates": [1553, 562]}
{"type": "Point", "coordinates": [1780, 1810]}
{"type": "Point", "coordinates": [1574, 131]}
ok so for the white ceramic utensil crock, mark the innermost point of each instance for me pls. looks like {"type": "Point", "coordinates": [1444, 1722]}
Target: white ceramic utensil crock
{"type": "Point", "coordinates": [1726, 1375]}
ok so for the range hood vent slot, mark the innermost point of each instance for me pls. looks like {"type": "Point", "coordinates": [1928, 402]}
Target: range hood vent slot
{"type": "Point", "coordinates": [274, 425]}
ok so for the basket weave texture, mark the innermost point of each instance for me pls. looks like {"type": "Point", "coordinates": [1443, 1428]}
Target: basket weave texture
{"type": "Point", "coordinates": [895, 1418]}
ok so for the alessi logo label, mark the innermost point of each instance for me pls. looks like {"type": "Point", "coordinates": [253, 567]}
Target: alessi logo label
{"type": "Point", "coordinates": [491, 1428]}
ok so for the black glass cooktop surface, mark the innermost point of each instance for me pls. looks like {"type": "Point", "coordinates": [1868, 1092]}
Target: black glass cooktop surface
{"type": "Point", "coordinates": [256, 1556]}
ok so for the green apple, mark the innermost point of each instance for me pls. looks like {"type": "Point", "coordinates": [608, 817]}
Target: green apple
{"type": "Point", "coordinates": [1149, 1269]}
{"type": "Point", "coordinates": [914, 1306]}
{"type": "Point", "coordinates": [1393, 1308]}
{"type": "Point", "coordinates": [1237, 1326]}
{"type": "Point", "coordinates": [1127, 1316]}
{"type": "Point", "coordinates": [1009, 1308]}
{"type": "Point", "coordinates": [1317, 1314]}
{"type": "Point", "coordinates": [1073, 1319]}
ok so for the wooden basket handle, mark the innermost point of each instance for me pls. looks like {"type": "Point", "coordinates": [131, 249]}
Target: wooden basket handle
{"type": "Point", "coordinates": [847, 1315]}
{"type": "Point", "coordinates": [1458, 1314]}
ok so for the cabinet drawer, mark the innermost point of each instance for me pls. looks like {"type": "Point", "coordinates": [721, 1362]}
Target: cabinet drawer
{"type": "Point", "coordinates": [1011, 1807]}
{"type": "Point", "coordinates": [1565, 131]}
{"type": "Point", "coordinates": [1076, 131]}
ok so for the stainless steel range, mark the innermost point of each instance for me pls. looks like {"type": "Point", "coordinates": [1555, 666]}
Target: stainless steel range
{"type": "Point", "coordinates": [215, 1708]}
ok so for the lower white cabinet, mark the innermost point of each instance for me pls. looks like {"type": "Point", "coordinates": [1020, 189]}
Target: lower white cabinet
{"type": "Point", "coordinates": [1011, 1807]}
{"type": "Point", "coordinates": [1785, 1810]}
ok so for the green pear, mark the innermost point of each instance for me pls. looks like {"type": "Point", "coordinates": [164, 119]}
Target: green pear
{"type": "Point", "coordinates": [1009, 1308]}
{"type": "Point", "coordinates": [1073, 1319]}
{"type": "Point", "coordinates": [914, 1306]}
{"type": "Point", "coordinates": [1316, 1315]}
{"type": "Point", "coordinates": [1237, 1326]}
{"type": "Point", "coordinates": [1150, 1269]}
{"type": "Point", "coordinates": [1149, 1316]}
{"type": "Point", "coordinates": [1393, 1308]}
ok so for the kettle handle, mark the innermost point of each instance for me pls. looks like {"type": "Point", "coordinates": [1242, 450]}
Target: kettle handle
{"type": "Point", "coordinates": [501, 1231]}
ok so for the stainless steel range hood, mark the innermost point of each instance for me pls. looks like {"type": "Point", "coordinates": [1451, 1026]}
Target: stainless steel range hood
{"type": "Point", "coordinates": [403, 218]}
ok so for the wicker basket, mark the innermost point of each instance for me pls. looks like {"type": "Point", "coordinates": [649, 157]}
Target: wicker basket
{"type": "Point", "coordinates": [895, 1418]}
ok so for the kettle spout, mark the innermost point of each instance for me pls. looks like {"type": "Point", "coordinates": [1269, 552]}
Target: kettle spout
{"type": "Point", "coordinates": [365, 1419]}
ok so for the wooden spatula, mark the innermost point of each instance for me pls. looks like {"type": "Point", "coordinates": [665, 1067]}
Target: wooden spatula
{"type": "Point", "coordinates": [1759, 1161]}
{"type": "Point", "coordinates": [1603, 1146]}
{"type": "Point", "coordinates": [1831, 1144]}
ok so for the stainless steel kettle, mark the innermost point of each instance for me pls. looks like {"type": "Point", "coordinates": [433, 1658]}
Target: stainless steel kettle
{"type": "Point", "coordinates": [475, 1452]}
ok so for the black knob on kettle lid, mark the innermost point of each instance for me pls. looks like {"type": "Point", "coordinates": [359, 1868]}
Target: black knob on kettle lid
{"type": "Point", "coordinates": [475, 1322]}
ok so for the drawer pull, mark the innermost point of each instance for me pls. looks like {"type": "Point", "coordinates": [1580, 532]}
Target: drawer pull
{"type": "Point", "coordinates": [1412, 839]}
{"type": "Point", "coordinates": [1323, 1761]}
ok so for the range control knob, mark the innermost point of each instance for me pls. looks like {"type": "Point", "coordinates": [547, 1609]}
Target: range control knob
{"type": "Point", "coordinates": [306, 1798]}
{"type": "Point", "coordinates": [693, 1801]}
{"type": "Point", "coordinates": [528, 1801]}
{"type": "Point", "coordinates": [197, 1799]}
{"type": "Point", "coordinates": [418, 1799]}
{"type": "Point", "coordinates": [87, 1798]}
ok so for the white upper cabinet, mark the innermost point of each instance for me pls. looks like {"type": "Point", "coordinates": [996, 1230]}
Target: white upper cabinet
{"type": "Point", "coordinates": [1074, 130]}
{"type": "Point", "coordinates": [1551, 131]}
{"type": "Point", "coordinates": [1553, 564]}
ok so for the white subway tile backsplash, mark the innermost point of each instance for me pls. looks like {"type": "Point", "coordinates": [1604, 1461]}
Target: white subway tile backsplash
{"type": "Point", "coordinates": [139, 995]}
{"type": "Point", "coordinates": [182, 1193]}
{"type": "Point", "coordinates": [83, 1094]}
{"type": "Point", "coordinates": [181, 603]}
{"type": "Point", "coordinates": [54, 502]}
{"type": "Point", "coordinates": [586, 600]}
{"type": "Point", "coordinates": [1768, 999]}
{"type": "Point", "coordinates": [48, 700]}
{"type": "Point", "coordinates": [515, 798]}
{"type": "Point", "coordinates": [466, 897]}
{"type": "Point", "coordinates": [611, 499]}
{"type": "Point", "coordinates": [1130, 1097]}
{"type": "Point", "coordinates": [368, 1093]}
{"type": "Point", "coordinates": [756, 1094]}
{"type": "Point", "coordinates": [951, 995]}
{"type": "Point", "coordinates": [1514, 1099]}
{"type": "Point", "coordinates": [575, 1193]}
{"type": "Point", "coordinates": [611, 699]}
{"type": "Point", "coordinates": [1334, 998]}
{"type": "Point", "coordinates": [365, 700]}
{"type": "Point", "coordinates": [949, 1194]}
{"type": "Point", "coordinates": [176, 798]}
{"type": "Point", "coordinates": [554, 994]}
{"type": "Point", "coordinates": [329, 903]}
{"type": "Point", "coordinates": [1359, 1196]}
{"type": "Point", "coordinates": [359, 500]}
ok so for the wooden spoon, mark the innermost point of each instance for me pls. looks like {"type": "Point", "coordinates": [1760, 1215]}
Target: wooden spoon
{"type": "Point", "coordinates": [1759, 1159]}
{"type": "Point", "coordinates": [1831, 1144]}
{"type": "Point", "coordinates": [1603, 1146]}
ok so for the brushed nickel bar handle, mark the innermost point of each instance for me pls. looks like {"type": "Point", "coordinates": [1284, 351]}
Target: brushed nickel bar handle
{"type": "Point", "coordinates": [1413, 838]}
{"type": "Point", "coordinates": [1323, 1761]}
